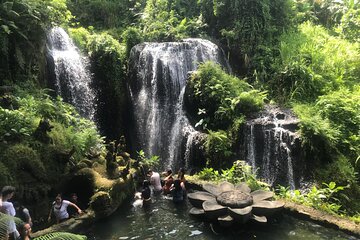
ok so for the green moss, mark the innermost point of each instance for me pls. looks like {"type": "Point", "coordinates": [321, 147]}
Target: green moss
{"type": "Point", "coordinates": [100, 202]}
{"type": "Point", "coordinates": [22, 159]}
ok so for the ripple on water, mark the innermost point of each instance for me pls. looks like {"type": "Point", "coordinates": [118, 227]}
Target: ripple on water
{"type": "Point", "coordinates": [165, 220]}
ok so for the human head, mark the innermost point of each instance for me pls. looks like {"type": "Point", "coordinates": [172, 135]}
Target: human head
{"type": "Point", "coordinates": [7, 192]}
{"type": "Point", "coordinates": [146, 183]}
{"type": "Point", "coordinates": [169, 172]}
{"type": "Point", "coordinates": [25, 230]}
{"type": "Point", "coordinates": [58, 198]}
{"type": "Point", "coordinates": [73, 197]}
{"type": "Point", "coordinates": [150, 172]}
{"type": "Point", "coordinates": [17, 205]}
{"type": "Point", "coordinates": [181, 173]}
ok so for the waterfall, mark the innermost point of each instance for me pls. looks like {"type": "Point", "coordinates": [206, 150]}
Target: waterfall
{"type": "Point", "coordinates": [72, 77]}
{"type": "Point", "coordinates": [270, 144]}
{"type": "Point", "coordinates": [250, 147]}
{"type": "Point", "coordinates": [159, 72]}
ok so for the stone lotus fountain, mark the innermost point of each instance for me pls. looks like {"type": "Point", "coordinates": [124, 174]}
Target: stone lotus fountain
{"type": "Point", "coordinates": [229, 204]}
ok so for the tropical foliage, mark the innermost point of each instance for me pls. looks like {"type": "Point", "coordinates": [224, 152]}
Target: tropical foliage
{"type": "Point", "coordinates": [219, 97]}
{"type": "Point", "coordinates": [26, 158]}
{"type": "Point", "coordinates": [312, 63]}
{"type": "Point", "coordinates": [320, 198]}
{"type": "Point", "coordinates": [239, 172]}
{"type": "Point", "coordinates": [303, 53]}
{"type": "Point", "coordinates": [23, 34]}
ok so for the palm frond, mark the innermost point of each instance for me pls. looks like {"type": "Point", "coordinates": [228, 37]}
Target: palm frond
{"type": "Point", "coordinates": [4, 224]}
{"type": "Point", "coordinates": [61, 236]}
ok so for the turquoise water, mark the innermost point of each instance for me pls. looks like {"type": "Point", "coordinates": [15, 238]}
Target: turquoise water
{"type": "Point", "coordinates": [165, 220]}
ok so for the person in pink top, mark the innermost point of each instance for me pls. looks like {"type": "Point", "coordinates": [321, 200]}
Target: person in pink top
{"type": "Point", "coordinates": [155, 181]}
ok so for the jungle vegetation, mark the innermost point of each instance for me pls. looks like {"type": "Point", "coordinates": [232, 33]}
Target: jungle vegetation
{"type": "Point", "coordinates": [301, 54]}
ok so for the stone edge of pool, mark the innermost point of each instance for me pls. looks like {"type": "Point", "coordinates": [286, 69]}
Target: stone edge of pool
{"type": "Point", "coordinates": [290, 208]}
{"type": "Point", "coordinates": [307, 213]}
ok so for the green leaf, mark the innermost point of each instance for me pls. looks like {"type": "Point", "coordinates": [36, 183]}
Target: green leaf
{"type": "Point", "coordinates": [332, 185]}
{"type": "Point", "coordinates": [6, 29]}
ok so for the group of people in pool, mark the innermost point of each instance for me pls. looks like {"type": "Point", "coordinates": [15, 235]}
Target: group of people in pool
{"type": "Point", "coordinates": [59, 209]}
{"type": "Point", "coordinates": [176, 187]}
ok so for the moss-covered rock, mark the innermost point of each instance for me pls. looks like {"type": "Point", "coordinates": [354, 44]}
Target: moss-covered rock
{"type": "Point", "coordinates": [101, 204]}
{"type": "Point", "coordinates": [24, 162]}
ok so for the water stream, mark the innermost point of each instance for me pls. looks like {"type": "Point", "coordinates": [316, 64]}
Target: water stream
{"type": "Point", "coordinates": [160, 71]}
{"type": "Point", "coordinates": [272, 147]}
{"type": "Point", "coordinates": [73, 78]}
{"type": "Point", "coordinates": [165, 220]}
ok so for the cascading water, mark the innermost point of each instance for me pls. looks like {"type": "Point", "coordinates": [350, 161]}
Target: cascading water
{"type": "Point", "coordinates": [272, 147]}
{"type": "Point", "coordinates": [72, 77]}
{"type": "Point", "coordinates": [159, 72]}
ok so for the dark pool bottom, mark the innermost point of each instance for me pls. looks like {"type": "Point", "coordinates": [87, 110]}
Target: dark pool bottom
{"type": "Point", "coordinates": [165, 220]}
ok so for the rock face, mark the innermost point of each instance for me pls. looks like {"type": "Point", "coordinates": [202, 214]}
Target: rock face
{"type": "Point", "coordinates": [158, 73]}
{"type": "Point", "coordinates": [270, 144]}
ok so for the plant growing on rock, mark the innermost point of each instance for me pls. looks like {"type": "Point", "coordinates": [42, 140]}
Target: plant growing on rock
{"type": "Point", "coordinates": [220, 98]}
{"type": "Point", "coordinates": [147, 163]}
{"type": "Point", "coordinates": [239, 172]}
{"type": "Point", "coordinates": [319, 198]}
{"type": "Point", "coordinates": [229, 204]}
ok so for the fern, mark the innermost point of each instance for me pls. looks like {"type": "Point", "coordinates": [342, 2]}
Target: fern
{"type": "Point", "coordinates": [4, 224]}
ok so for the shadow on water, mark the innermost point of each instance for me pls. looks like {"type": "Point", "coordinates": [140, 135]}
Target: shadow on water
{"type": "Point", "coordinates": [166, 220]}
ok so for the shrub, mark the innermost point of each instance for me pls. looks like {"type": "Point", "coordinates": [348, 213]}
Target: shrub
{"type": "Point", "coordinates": [5, 175]}
{"type": "Point", "coordinates": [320, 198]}
{"type": "Point", "coordinates": [239, 172]}
{"type": "Point", "coordinates": [218, 149]}
{"type": "Point", "coordinates": [15, 125]}
{"type": "Point", "coordinates": [319, 138]}
{"type": "Point", "coordinates": [131, 36]}
{"type": "Point", "coordinates": [342, 109]}
{"type": "Point", "coordinates": [311, 63]}
{"type": "Point", "coordinates": [220, 97]}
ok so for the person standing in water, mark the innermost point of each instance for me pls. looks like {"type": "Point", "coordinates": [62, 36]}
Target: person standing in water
{"type": "Point", "coordinates": [59, 208]}
{"type": "Point", "coordinates": [178, 192]}
{"type": "Point", "coordinates": [168, 181]}
{"type": "Point", "coordinates": [146, 193]}
{"type": "Point", "coordinates": [181, 177]}
{"type": "Point", "coordinates": [155, 181]}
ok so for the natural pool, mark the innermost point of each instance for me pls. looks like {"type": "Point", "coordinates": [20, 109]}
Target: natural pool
{"type": "Point", "coordinates": [165, 220]}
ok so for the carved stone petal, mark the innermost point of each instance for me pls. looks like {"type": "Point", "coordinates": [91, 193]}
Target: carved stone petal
{"type": "Point", "coordinates": [213, 210]}
{"type": "Point", "coordinates": [211, 188]}
{"type": "Point", "coordinates": [243, 187]}
{"type": "Point", "coordinates": [198, 212]}
{"type": "Point", "coordinates": [267, 208]}
{"type": "Point", "coordinates": [241, 215]}
{"type": "Point", "coordinates": [197, 198]}
{"type": "Point", "coordinates": [226, 221]}
{"type": "Point", "coordinates": [259, 219]}
{"type": "Point", "coordinates": [226, 186]}
{"type": "Point", "coordinates": [260, 195]}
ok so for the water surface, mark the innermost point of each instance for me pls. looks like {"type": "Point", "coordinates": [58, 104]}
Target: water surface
{"type": "Point", "coordinates": [165, 220]}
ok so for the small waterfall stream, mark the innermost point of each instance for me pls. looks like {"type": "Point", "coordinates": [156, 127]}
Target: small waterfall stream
{"type": "Point", "coordinates": [271, 143]}
{"type": "Point", "coordinates": [73, 78]}
{"type": "Point", "coordinates": [159, 72]}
